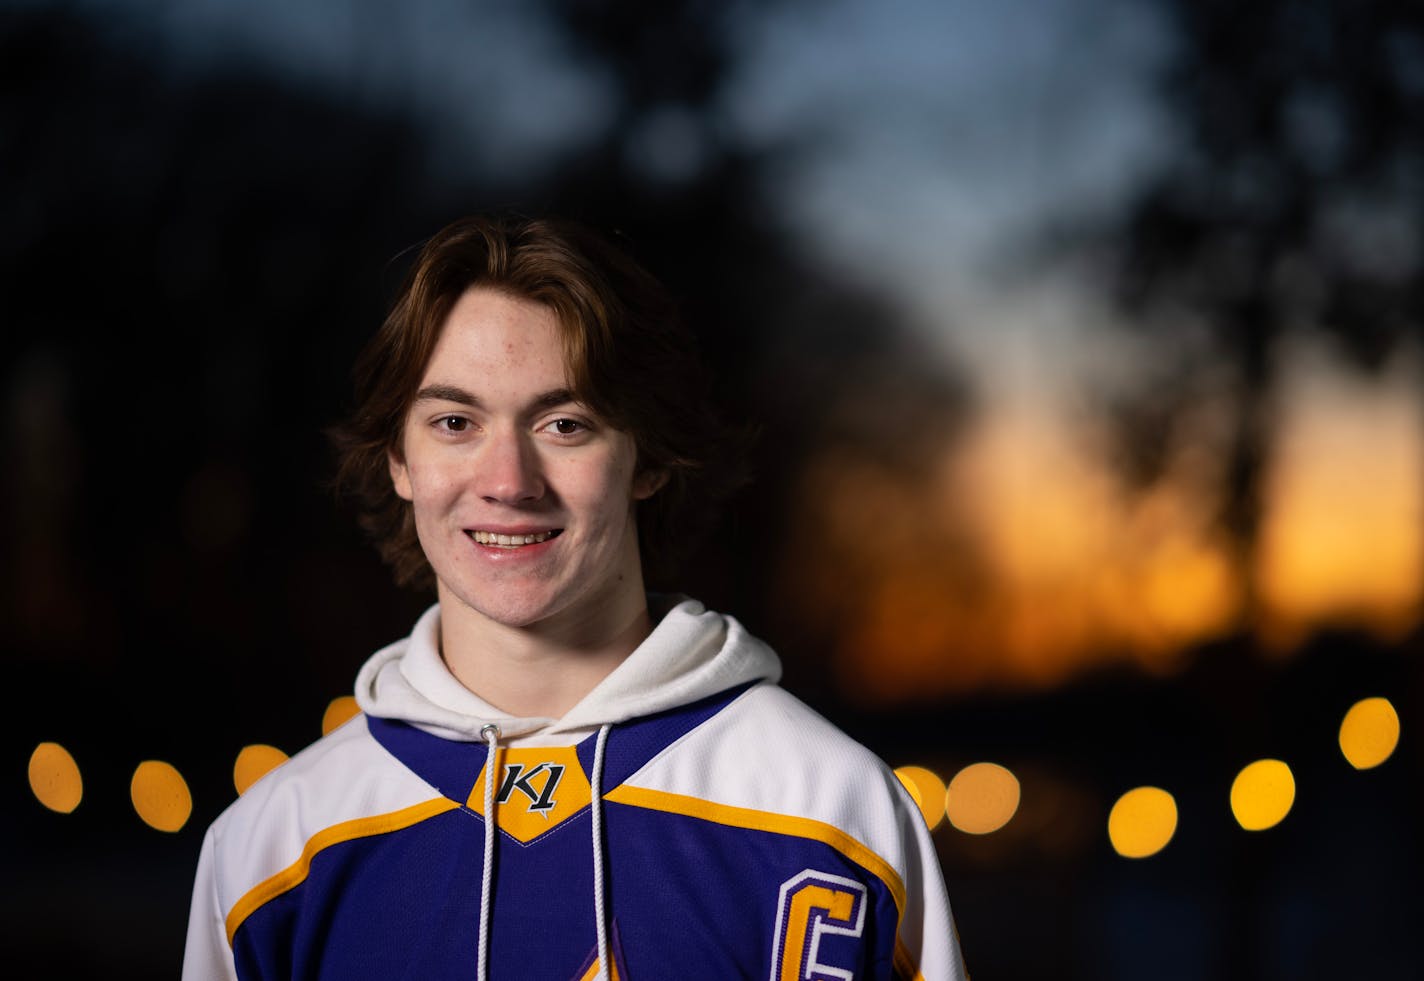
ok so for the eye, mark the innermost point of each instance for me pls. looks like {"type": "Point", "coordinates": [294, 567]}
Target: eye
{"type": "Point", "coordinates": [566, 427]}
{"type": "Point", "coordinates": [453, 424]}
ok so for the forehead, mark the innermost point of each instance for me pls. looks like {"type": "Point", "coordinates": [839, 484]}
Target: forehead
{"type": "Point", "coordinates": [489, 334]}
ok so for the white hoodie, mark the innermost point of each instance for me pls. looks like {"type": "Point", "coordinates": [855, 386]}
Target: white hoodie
{"type": "Point", "coordinates": [691, 653]}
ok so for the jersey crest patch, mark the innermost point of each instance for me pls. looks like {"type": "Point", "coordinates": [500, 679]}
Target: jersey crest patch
{"type": "Point", "coordinates": [538, 789]}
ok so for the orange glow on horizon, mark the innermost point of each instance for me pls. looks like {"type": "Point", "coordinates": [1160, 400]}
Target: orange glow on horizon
{"type": "Point", "coordinates": [1342, 540]}
{"type": "Point", "coordinates": [1019, 557]}
{"type": "Point", "coordinates": [951, 593]}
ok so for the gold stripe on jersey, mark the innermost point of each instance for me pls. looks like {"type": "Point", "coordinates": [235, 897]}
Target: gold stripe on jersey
{"type": "Point", "coordinates": [294, 874]}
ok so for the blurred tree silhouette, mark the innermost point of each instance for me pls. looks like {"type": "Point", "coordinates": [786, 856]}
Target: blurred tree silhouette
{"type": "Point", "coordinates": [1297, 200]}
{"type": "Point", "coordinates": [797, 351]}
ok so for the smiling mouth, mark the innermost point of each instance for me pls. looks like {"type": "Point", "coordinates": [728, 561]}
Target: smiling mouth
{"type": "Point", "coordinates": [513, 541]}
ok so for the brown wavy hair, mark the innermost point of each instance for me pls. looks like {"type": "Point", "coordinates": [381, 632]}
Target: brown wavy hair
{"type": "Point", "coordinates": [628, 356]}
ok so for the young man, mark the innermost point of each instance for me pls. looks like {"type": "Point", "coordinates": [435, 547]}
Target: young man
{"type": "Point", "coordinates": [556, 776]}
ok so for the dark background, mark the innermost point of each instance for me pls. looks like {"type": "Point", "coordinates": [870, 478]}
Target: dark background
{"type": "Point", "coordinates": [198, 236]}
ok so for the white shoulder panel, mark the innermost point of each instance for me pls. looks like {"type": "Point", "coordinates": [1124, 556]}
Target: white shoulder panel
{"type": "Point", "coordinates": [344, 776]}
{"type": "Point", "coordinates": [769, 751]}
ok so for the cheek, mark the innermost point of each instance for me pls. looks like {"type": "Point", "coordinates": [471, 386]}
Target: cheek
{"type": "Point", "coordinates": [431, 486]}
{"type": "Point", "coordinates": [603, 488]}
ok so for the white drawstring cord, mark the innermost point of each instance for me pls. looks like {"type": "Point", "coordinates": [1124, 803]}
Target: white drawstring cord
{"type": "Point", "coordinates": [596, 807]}
{"type": "Point", "coordinates": [490, 734]}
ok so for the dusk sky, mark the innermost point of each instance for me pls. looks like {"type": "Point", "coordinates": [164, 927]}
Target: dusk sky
{"type": "Point", "coordinates": [930, 152]}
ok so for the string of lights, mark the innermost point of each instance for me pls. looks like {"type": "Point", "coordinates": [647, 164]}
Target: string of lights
{"type": "Point", "coordinates": [980, 799]}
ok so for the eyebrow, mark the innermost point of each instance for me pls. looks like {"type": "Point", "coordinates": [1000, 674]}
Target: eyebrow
{"type": "Point", "coordinates": [453, 393]}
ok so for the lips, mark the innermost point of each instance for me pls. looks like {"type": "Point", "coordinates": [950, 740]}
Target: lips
{"type": "Point", "coordinates": [514, 540]}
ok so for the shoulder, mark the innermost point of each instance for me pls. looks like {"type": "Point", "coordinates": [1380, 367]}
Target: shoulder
{"type": "Point", "coordinates": [339, 787]}
{"type": "Point", "coordinates": [767, 741]}
{"type": "Point", "coordinates": [768, 753]}
{"type": "Point", "coordinates": [769, 762]}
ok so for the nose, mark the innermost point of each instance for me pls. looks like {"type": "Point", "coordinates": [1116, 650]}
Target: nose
{"type": "Point", "coordinates": [508, 469]}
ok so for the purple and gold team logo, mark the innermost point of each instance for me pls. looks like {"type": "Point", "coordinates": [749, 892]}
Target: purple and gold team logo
{"type": "Point", "coordinates": [538, 789]}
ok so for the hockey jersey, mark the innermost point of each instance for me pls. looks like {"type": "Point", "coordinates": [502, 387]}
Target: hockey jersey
{"type": "Point", "coordinates": [688, 819]}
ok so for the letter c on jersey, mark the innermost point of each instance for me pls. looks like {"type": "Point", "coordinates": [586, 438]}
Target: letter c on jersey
{"type": "Point", "coordinates": [812, 905]}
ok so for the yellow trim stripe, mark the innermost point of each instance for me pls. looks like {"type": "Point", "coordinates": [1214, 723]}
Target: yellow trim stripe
{"type": "Point", "coordinates": [293, 875]}
{"type": "Point", "coordinates": [785, 824]}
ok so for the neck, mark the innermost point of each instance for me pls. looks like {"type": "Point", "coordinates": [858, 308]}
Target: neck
{"type": "Point", "coordinates": [538, 671]}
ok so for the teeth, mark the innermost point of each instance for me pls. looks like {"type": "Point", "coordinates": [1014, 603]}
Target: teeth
{"type": "Point", "coordinates": [491, 538]}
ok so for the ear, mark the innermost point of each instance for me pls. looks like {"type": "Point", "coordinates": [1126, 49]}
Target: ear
{"type": "Point", "coordinates": [400, 475]}
{"type": "Point", "coordinates": [648, 483]}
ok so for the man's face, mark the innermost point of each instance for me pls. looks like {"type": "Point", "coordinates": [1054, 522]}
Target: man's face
{"type": "Point", "coordinates": [523, 498]}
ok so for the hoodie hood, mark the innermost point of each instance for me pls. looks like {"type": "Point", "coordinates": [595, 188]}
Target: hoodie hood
{"type": "Point", "coordinates": [691, 653]}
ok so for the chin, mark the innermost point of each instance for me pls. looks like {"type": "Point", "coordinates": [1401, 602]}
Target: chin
{"type": "Point", "coordinates": [504, 607]}
{"type": "Point", "coordinates": [517, 617]}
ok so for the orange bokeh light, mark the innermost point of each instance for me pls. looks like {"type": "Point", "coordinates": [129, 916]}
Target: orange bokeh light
{"type": "Point", "coordinates": [982, 798]}
{"type": "Point", "coordinates": [927, 788]}
{"type": "Point", "coordinates": [253, 763]}
{"type": "Point", "coordinates": [1142, 822]}
{"type": "Point", "coordinates": [160, 795]}
{"type": "Point", "coordinates": [340, 711]}
{"type": "Point", "coordinates": [55, 779]}
{"type": "Point", "coordinates": [1369, 733]}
